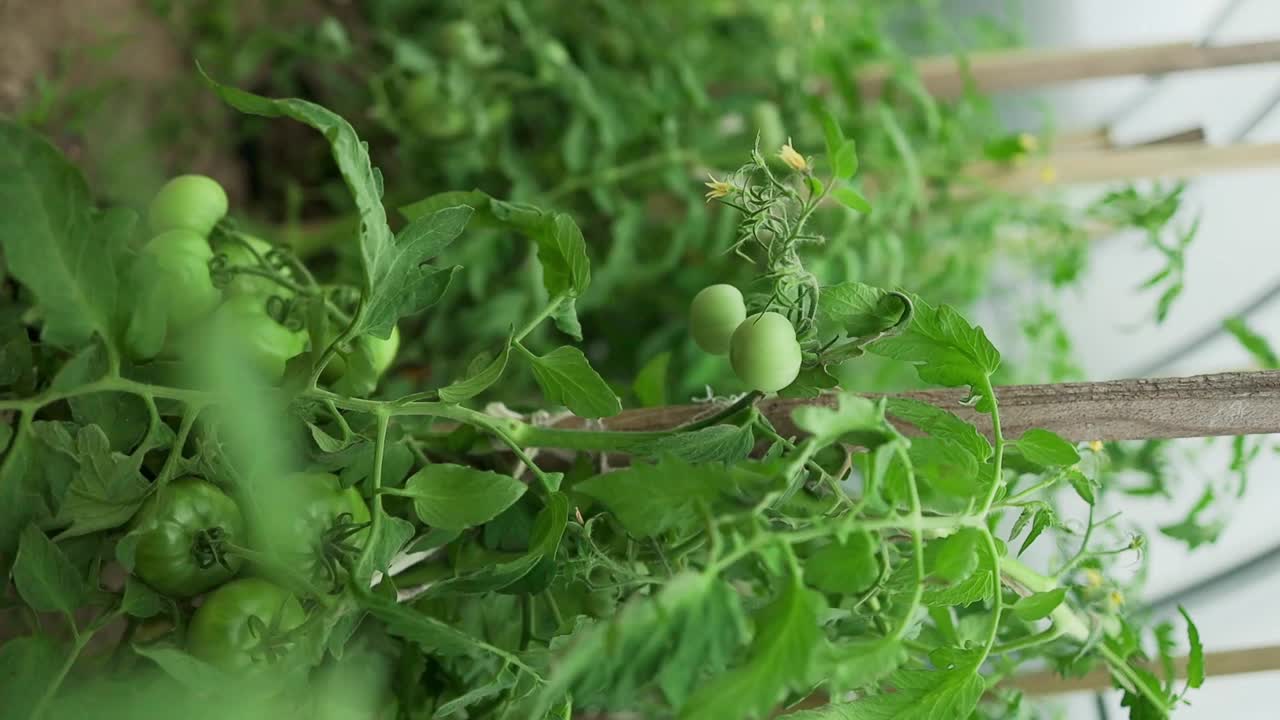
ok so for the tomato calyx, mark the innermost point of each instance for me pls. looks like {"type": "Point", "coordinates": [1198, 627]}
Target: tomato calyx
{"type": "Point", "coordinates": [274, 642]}
{"type": "Point", "coordinates": [209, 548]}
{"type": "Point", "coordinates": [336, 549]}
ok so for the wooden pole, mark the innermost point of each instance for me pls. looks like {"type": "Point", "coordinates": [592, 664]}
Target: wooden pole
{"type": "Point", "coordinates": [1171, 160]}
{"type": "Point", "coordinates": [1241, 403]}
{"type": "Point", "coordinates": [1227, 662]}
{"type": "Point", "coordinates": [1002, 71]}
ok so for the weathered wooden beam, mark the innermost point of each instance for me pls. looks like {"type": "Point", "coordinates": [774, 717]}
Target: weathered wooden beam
{"type": "Point", "coordinates": [1005, 70]}
{"type": "Point", "coordinates": [1216, 664]}
{"type": "Point", "coordinates": [1224, 404]}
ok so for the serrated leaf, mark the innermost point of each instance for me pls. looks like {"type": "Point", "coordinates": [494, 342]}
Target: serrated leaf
{"type": "Point", "coordinates": [326, 442]}
{"type": "Point", "coordinates": [650, 385]}
{"type": "Point", "coordinates": [192, 672]}
{"type": "Point", "coordinates": [954, 557]}
{"type": "Point", "coordinates": [853, 419]}
{"type": "Point", "coordinates": [651, 499]}
{"type": "Point", "coordinates": [780, 659]}
{"type": "Point", "coordinates": [106, 491]}
{"type": "Point", "coordinates": [392, 535]}
{"type": "Point", "coordinates": [718, 443]}
{"type": "Point", "coordinates": [940, 424]}
{"type": "Point", "coordinates": [944, 348]}
{"type": "Point", "coordinates": [857, 310]}
{"type": "Point", "coordinates": [481, 380]}
{"type": "Point", "coordinates": [846, 161]}
{"type": "Point", "coordinates": [567, 379]}
{"type": "Point", "coordinates": [544, 540]}
{"type": "Point", "coordinates": [456, 497]}
{"type": "Point", "coordinates": [1192, 530]}
{"type": "Point", "coordinates": [1083, 486]}
{"type": "Point", "coordinates": [852, 199]}
{"type": "Point", "coordinates": [945, 466]}
{"type": "Point", "coordinates": [45, 578]}
{"type": "Point", "coordinates": [141, 601]}
{"type": "Point", "coordinates": [810, 383]}
{"type": "Point", "coordinates": [504, 681]}
{"type": "Point", "coordinates": [917, 695]}
{"type": "Point", "coordinates": [1038, 606]}
{"type": "Point", "coordinates": [860, 663]}
{"type": "Point", "coordinates": [975, 588]}
{"type": "Point", "coordinates": [51, 242]}
{"type": "Point", "coordinates": [1046, 449]}
{"type": "Point", "coordinates": [397, 282]}
{"type": "Point", "coordinates": [843, 567]}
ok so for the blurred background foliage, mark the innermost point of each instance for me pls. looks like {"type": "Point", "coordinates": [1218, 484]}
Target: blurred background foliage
{"type": "Point", "coordinates": [611, 110]}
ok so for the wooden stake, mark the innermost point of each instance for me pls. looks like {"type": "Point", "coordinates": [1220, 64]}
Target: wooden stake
{"type": "Point", "coordinates": [1228, 662]}
{"type": "Point", "coordinates": [1229, 404]}
{"type": "Point", "coordinates": [1002, 71]}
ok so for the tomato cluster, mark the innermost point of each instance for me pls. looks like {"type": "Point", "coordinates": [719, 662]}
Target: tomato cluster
{"type": "Point", "coordinates": [246, 306]}
{"type": "Point", "coordinates": [763, 349]}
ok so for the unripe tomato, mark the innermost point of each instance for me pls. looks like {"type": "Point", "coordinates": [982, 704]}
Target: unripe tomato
{"type": "Point", "coordinates": [764, 352]}
{"type": "Point", "coordinates": [243, 625]}
{"type": "Point", "coordinates": [188, 202]}
{"type": "Point", "coordinates": [364, 365]}
{"type": "Point", "coordinates": [181, 532]}
{"type": "Point", "coordinates": [182, 257]}
{"type": "Point", "coordinates": [311, 524]}
{"type": "Point", "coordinates": [714, 314]}
{"type": "Point", "coordinates": [266, 344]}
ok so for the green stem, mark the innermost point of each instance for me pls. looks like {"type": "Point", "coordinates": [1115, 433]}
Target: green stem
{"type": "Point", "coordinates": [997, 595]}
{"type": "Point", "coordinates": [1047, 482]}
{"type": "Point", "coordinates": [917, 543]}
{"type": "Point", "coordinates": [724, 413]}
{"type": "Point", "coordinates": [81, 640]}
{"type": "Point", "coordinates": [998, 436]}
{"type": "Point", "coordinates": [379, 451]}
{"type": "Point", "coordinates": [1030, 641]}
{"type": "Point", "coordinates": [537, 320]}
{"type": "Point", "coordinates": [180, 440]}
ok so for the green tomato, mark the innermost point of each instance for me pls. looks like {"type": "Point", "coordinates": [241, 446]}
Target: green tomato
{"type": "Point", "coordinates": [181, 261]}
{"type": "Point", "coordinates": [243, 625]}
{"type": "Point", "coordinates": [715, 313]}
{"type": "Point", "coordinates": [181, 532]}
{"type": "Point", "coordinates": [322, 525]}
{"type": "Point", "coordinates": [188, 202]}
{"type": "Point", "coordinates": [264, 343]}
{"type": "Point", "coordinates": [364, 365]}
{"type": "Point", "coordinates": [764, 352]}
{"type": "Point", "coordinates": [237, 255]}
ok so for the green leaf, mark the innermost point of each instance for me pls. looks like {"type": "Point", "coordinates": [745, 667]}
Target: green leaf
{"type": "Point", "coordinates": [141, 601]}
{"type": "Point", "coordinates": [122, 416]}
{"type": "Point", "coordinates": [34, 475]}
{"type": "Point", "coordinates": [860, 663]}
{"type": "Point", "coordinates": [397, 280]}
{"type": "Point", "coordinates": [718, 443]}
{"type": "Point", "coordinates": [852, 199]}
{"type": "Point", "coordinates": [689, 627]}
{"type": "Point", "coordinates": [107, 490]}
{"type": "Point", "coordinates": [945, 466]}
{"type": "Point", "coordinates": [1039, 605]}
{"type": "Point", "coordinates": [944, 348]}
{"type": "Point", "coordinates": [1257, 345]}
{"type": "Point", "coordinates": [1192, 530]}
{"type": "Point", "coordinates": [853, 419]}
{"type": "Point", "coordinates": [831, 131]}
{"type": "Point", "coordinates": [430, 634]}
{"type": "Point", "coordinates": [544, 540]}
{"type": "Point", "coordinates": [954, 557]}
{"type": "Point", "coordinates": [780, 659]}
{"type": "Point", "coordinates": [51, 242]}
{"type": "Point", "coordinates": [650, 385]}
{"type": "Point", "coordinates": [941, 424]}
{"type": "Point", "coordinates": [1195, 658]}
{"type": "Point", "coordinates": [191, 672]}
{"type": "Point", "coordinates": [844, 567]}
{"type": "Point", "coordinates": [651, 499]}
{"type": "Point", "coordinates": [29, 666]}
{"type": "Point", "coordinates": [478, 382]}
{"type": "Point", "coordinates": [1040, 516]}
{"type": "Point", "coordinates": [565, 318]}
{"type": "Point", "coordinates": [1047, 449]}
{"type": "Point", "coordinates": [917, 695]}
{"type": "Point", "coordinates": [567, 379]}
{"type": "Point", "coordinates": [45, 578]}
{"type": "Point", "coordinates": [562, 251]}
{"type": "Point", "coordinates": [975, 588]}
{"type": "Point", "coordinates": [1082, 484]}
{"type": "Point", "coordinates": [857, 310]}
{"type": "Point", "coordinates": [846, 162]}
{"type": "Point", "coordinates": [392, 535]}
{"type": "Point", "coordinates": [456, 497]}
{"type": "Point", "coordinates": [810, 383]}
{"type": "Point", "coordinates": [504, 681]}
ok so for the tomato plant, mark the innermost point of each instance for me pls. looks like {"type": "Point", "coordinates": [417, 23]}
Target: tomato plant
{"type": "Point", "coordinates": [519, 545]}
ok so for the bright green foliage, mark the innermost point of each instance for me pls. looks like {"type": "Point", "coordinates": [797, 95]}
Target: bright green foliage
{"type": "Point", "coordinates": [505, 563]}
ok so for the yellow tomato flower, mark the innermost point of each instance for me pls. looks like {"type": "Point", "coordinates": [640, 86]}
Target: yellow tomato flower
{"type": "Point", "coordinates": [717, 188]}
{"type": "Point", "coordinates": [793, 159]}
